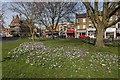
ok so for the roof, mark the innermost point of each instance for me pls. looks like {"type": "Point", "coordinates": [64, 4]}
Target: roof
{"type": "Point", "coordinates": [16, 19]}
{"type": "Point", "coordinates": [81, 15]}
{"type": "Point", "coordinates": [12, 22]}
{"type": "Point", "coordinates": [84, 15]}
{"type": "Point", "coordinates": [2, 27]}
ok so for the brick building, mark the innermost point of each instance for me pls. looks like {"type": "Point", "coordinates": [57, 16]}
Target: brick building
{"type": "Point", "coordinates": [67, 30]}
{"type": "Point", "coordinates": [19, 27]}
{"type": "Point", "coordinates": [84, 26]}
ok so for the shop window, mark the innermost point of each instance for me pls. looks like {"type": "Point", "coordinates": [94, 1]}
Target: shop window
{"type": "Point", "coordinates": [108, 34]}
{"type": "Point", "coordinates": [83, 34]}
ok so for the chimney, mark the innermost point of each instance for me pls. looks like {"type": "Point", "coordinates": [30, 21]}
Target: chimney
{"type": "Point", "coordinates": [13, 17]}
{"type": "Point", "coordinates": [17, 16]}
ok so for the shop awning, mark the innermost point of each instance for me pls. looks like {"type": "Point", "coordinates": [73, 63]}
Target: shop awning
{"type": "Point", "coordinates": [91, 29]}
{"type": "Point", "coordinates": [70, 31]}
{"type": "Point", "coordinates": [110, 29]}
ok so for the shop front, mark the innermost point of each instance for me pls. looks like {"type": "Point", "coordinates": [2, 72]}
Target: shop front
{"type": "Point", "coordinates": [70, 33]}
{"type": "Point", "coordinates": [49, 34]}
{"type": "Point", "coordinates": [81, 33]}
{"type": "Point", "coordinates": [91, 32]}
{"type": "Point", "coordinates": [110, 33]}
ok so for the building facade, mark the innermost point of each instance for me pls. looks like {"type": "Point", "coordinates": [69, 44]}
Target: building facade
{"type": "Point", "coordinates": [67, 30]}
{"type": "Point", "coordinates": [19, 27]}
{"type": "Point", "coordinates": [84, 26]}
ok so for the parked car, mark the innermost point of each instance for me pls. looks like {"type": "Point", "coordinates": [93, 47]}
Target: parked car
{"type": "Point", "coordinates": [83, 36]}
{"type": "Point", "coordinates": [92, 37]}
{"type": "Point", "coordinates": [9, 35]}
{"type": "Point", "coordinates": [55, 36]}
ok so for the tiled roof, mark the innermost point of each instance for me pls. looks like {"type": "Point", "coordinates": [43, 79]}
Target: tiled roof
{"type": "Point", "coordinates": [16, 19]}
{"type": "Point", "coordinates": [2, 27]}
{"type": "Point", "coordinates": [84, 15]}
{"type": "Point", "coordinates": [81, 15]}
{"type": "Point", "coordinates": [12, 22]}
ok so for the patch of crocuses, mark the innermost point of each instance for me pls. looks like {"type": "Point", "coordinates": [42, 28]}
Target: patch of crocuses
{"type": "Point", "coordinates": [36, 53]}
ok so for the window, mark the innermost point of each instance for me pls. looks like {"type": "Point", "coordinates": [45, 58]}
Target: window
{"type": "Point", "coordinates": [83, 34]}
{"type": "Point", "coordinates": [110, 33]}
{"type": "Point", "coordinates": [89, 20]}
{"type": "Point", "coordinates": [64, 28]}
{"type": "Point", "coordinates": [83, 20]}
{"type": "Point", "coordinates": [68, 27]}
{"type": "Point", "coordinates": [78, 27]}
{"type": "Point", "coordinates": [72, 27]}
{"type": "Point", "coordinates": [60, 27]}
{"type": "Point", "coordinates": [77, 20]}
{"type": "Point", "coordinates": [84, 27]}
{"type": "Point", "coordinates": [111, 18]}
{"type": "Point", "coordinates": [118, 25]}
{"type": "Point", "coordinates": [90, 25]}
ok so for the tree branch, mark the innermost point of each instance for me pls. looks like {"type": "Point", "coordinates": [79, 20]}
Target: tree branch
{"type": "Point", "coordinates": [113, 23]}
{"type": "Point", "coordinates": [112, 9]}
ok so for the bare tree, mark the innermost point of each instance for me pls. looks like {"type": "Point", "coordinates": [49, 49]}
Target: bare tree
{"type": "Point", "coordinates": [2, 12]}
{"type": "Point", "coordinates": [54, 12]}
{"type": "Point", "coordinates": [28, 9]}
{"type": "Point", "coordinates": [108, 10]}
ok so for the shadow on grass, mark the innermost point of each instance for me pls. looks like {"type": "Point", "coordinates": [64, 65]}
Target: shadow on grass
{"type": "Point", "coordinates": [5, 59]}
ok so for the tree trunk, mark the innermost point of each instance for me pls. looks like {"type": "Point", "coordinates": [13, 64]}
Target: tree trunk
{"type": "Point", "coordinates": [99, 38]}
{"type": "Point", "coordinates": [39, 35]}
{"type": "Point", "coordinates": [33, 39]}
{"type": "Point", "coordinates": [52, 34]}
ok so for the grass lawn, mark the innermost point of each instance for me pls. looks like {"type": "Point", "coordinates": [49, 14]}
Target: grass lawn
{"type": "Point", "coordinates": [62, 58]}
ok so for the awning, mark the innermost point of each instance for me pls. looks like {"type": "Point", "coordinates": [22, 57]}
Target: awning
{"type": "Point", "coordinates": [70, 31]}
{"type": "Point", "coordinates": [91, 29]}
{"type": "Point", "coordinates": [81, 30]}
{"type": "Point", "coordinates": [110, 29]}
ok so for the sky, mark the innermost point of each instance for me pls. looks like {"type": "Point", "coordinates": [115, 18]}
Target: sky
{"type": "Point", "coordinates": [8, 16]}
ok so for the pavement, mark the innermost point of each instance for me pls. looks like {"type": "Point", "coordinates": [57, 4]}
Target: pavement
{"type": "Point", "coordinates": [8, 39]}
